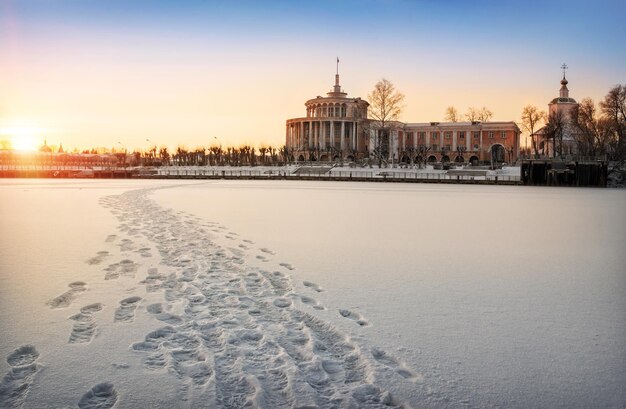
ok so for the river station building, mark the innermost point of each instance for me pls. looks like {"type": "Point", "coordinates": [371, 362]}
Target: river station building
{"type": "Point", "coordinates": [337, 128]}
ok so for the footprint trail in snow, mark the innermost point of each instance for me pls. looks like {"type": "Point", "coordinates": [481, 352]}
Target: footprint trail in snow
{"type": "Point", "coordinates": [241, 335]}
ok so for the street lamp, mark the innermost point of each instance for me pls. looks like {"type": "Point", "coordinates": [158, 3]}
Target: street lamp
{"type": "Point", "coordinates": [123, 147]}
{"type": "Point", "coordinates": [219, 158]}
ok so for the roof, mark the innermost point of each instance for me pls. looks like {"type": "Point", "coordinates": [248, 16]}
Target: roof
{"type": "Point", "coordinates": [563, 100]}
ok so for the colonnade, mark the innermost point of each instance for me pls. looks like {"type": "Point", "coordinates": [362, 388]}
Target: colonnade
{"type": "Point", "coordinates": [309, 134]}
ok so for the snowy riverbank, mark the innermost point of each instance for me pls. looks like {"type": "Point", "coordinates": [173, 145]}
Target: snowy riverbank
{"type": "Point", "coordinates": [144, 293]}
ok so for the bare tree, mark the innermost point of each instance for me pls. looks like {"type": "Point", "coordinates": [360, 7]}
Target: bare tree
{"type": "Point", "coordinates": [474, 114]}
{"type": "Point", "coordinates": [531, 118]}
{"type": "Point", "coordinates": [614, 109]}
{"type": "Point", "coordinates": [471, 114]}
{"type": "Point", "coordinates": [484, 115]}
{"type": "Point", "coordinates": [553, 130]}
{"type": "Point", "coordinates": [596, 133]}
{"type": "Point", "coordinates": [385, 105]}
{"type": "Point", "coordinates": [452, 114]}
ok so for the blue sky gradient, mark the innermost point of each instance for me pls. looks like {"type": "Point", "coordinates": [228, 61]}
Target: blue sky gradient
{"type": "Point", "coordinates": [238, 69]}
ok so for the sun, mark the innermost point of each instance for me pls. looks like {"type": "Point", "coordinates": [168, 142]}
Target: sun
{"type": "Point", "coordinates": [21, 138]}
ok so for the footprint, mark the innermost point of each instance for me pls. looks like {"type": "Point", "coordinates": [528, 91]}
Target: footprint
{"type": "Point", "coordinates": [267, 251]}
{"type": "Point", "coordinates": [17, 382]}
{"type": "Point", "coordinates": [126, 311]}
{"type": "Point", "coordinates": [101, 396]}
{"type": "Point", "coordinates": [355, 316]}
{"type": "Point", "coordinates": [97, 259]}
{"type": "Point", "coordinates": [287, 266]}
{"type": "Point", "coordinates": [111, 238]}
{"type": "Point", "coordinates": [313, 286]}
{"type": "Point", "coordinates": [282, 302]}
{"type": "Point", "coordinates": [157, 311]}
{"type": "Point", "coordinates": [24, 355]}
{"type": "Point", "coordinates": [391, 362]}
{"type": "Point", "coordinates": [85, 327]}
{"type": "Point", "coordinates": [311, 302]}
{"type": "Point", "coordinates": [248, 241]}
{"type": "Point", "coordinates": [144, 252]}
{"type": "Point", "coordinates": [125, 267]}
{"type": "Point", "coordinates": [65, 299]}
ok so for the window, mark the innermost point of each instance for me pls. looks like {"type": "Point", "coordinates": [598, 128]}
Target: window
{"type": "Point", "coordinates": [462, 135]}
{"type": "Point", "coordinates": [448, 147]}
{"type": "Point", "coordinates": [503, 133]}
{"type": "Point", "coordinates": [448, 135]}
{"type": "Point", "coordinates": [422, 136]}
{"type": "Point", "coordinates": [476, 134]}
{"type": "Point", "coordinates": [434, 135]}
{"type": "Point", "coordinates": [491, 134]}
{"type": "Point", "coordinates": [435, 147]}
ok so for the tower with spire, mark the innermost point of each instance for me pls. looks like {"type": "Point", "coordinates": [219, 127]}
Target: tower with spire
{"type": "Point", "coordinates": [563, 103]}
{"type": "Point", "coordinates": [332, 129]}
{"type": "Point", "coordinates": [562, 106]}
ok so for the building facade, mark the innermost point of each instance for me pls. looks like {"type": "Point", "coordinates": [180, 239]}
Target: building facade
{"type": "Point", "coordinates": [337, 128]}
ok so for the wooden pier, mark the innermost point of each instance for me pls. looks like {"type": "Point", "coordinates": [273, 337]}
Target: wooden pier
{"type": "Point", "coordinates": [553, 172]}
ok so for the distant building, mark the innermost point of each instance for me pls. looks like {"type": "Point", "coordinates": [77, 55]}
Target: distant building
{"type": "Point", "coordinates": [45, 148]}
{"type": "Point", "coordinates": [564, 106]}
{"type": "Point", "coordinates": [336, 127]}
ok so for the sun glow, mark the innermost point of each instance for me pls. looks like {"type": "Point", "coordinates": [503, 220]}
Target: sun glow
{"type": "Point", "coordinates": [22, 138]}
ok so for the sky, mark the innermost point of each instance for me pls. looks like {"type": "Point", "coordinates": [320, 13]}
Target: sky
{"type": "Point", "coordinates": [135, 74]}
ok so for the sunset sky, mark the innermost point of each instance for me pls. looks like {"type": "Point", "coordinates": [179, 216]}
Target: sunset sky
{"type": "Point", "coordinates": [133, 74]}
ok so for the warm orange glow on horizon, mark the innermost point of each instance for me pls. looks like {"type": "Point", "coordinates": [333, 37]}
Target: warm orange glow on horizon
{"type": "Point", "coordinates": [22, 138]}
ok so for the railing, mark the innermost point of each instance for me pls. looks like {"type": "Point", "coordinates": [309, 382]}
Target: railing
{"type": "Point", "coordinates": [332, 175]}
{"type": "Point", "coordinates": [208, 173]}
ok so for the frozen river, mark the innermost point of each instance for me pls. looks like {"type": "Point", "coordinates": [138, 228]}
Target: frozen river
{"type": "Point", "coordinates": [303, 294]}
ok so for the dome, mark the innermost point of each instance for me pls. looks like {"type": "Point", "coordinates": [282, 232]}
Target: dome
{"type": "Point", "coordinates": [561, 100]}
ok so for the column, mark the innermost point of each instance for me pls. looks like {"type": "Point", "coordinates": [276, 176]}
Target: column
{"type": "Point", "coordinates": [468, 140]}
{"type": "Point", "coordinates": [454, 136]}
{"type": "Point", "coordinates": [353, 147]}
{"type": "Point", "coordinates": [343, 135]}
{"type": "Point", "coordinates": [332, 133]}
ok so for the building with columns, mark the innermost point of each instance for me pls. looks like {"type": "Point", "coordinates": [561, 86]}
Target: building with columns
{"type": "Point", "coordinates": [336, 127]}
{"type": "Point", "coordinates": [331, 130]}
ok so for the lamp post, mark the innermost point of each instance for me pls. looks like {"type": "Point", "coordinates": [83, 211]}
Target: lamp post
{"type": "Point", "coordinates": [123, 147]}
{"type": "Point", "coordinates": [219, 158]}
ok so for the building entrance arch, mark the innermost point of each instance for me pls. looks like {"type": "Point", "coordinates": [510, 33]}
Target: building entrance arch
{"type": "Point", "coordinates": [497, 153]}
{"type": "Point", "coordinates": [473, 160]}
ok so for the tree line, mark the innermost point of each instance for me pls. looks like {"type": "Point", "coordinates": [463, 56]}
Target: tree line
{"type": "Point", "coordinates": [243, 155]}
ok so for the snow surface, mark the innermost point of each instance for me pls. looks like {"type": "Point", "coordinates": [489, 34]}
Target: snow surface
{"type": "Point", "coordinates": [290, 294]}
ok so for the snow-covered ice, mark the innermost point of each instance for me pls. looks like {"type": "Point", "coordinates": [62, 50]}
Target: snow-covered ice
{"type": "Point", "coordinates": [310, 294]}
